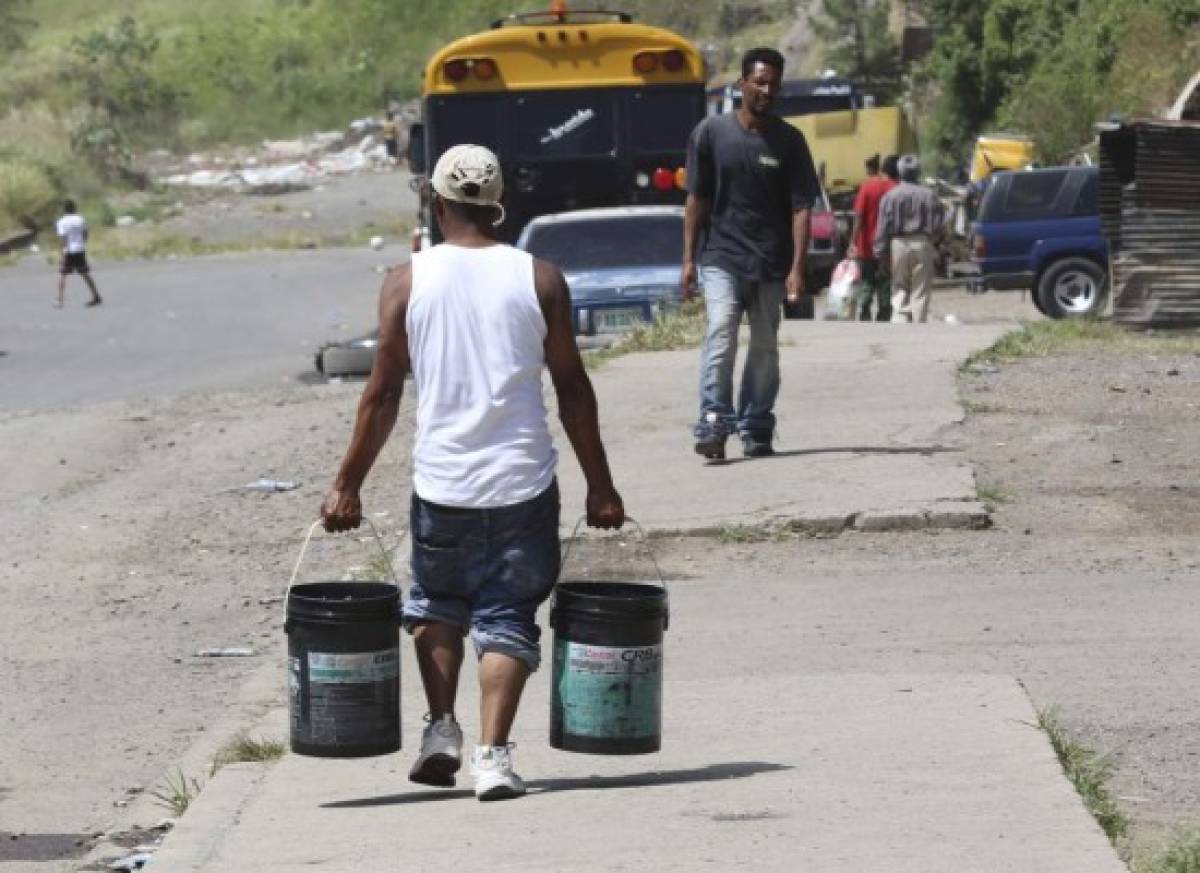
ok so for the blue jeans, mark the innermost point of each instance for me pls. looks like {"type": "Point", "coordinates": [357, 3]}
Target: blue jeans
{"type": "Point", "coordinates": [487, 570]}
{"type": "Point", "coordinates": [726, 297]}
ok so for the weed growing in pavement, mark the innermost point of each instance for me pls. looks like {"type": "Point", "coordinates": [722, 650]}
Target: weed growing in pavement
{"type": "Point", "coordinates": [176, 792]}
{"type": "Point", "coordinates": [991, 495]}
{"type": "Point", "coordinates": [243, 749]}
{"type": "Point", "coordinates": [1182, 855]}
{"type": "Point", "coordinates": [1089, 772]}
{"type": "Point", "coordinates": [1044, 338]}
{"type": "Point", "coordinates": [680, 329]}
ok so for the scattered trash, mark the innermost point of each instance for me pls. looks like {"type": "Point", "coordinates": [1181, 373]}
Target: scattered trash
{"type": "Point", "coordinates": [34, 249]}
{"type": "Point", "coordinates": [165, 825]}
{"type": "Point", "coordinates": [268, 601]}
{"type": "Point", "coordinates": [951, 319]}
{"type": "Point", "coordinates": [1117, 389]}
{"type": "Point", "coordinates": [126, 221]}
{"type": "Point", "coordinates": [269, 485]}
{"type": "Point", "coordinates": [377, 243]}
{"type": "Point", "coordinates": [227, 652]}
{"type": "Point", "coordinates": [132, 862]}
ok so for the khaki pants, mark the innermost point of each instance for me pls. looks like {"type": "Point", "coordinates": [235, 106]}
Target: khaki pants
{"type": "Point", "coordinates": [912, 278]}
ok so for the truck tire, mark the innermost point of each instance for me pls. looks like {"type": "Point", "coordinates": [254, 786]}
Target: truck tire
{"type": "Point", "coordinates": [1072, 288]}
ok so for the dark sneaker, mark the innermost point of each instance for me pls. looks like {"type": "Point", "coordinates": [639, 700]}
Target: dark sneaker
{"type": "Point", "coordinates": [757, 445]}
{"type": "Point", "coordinates": [711, 446]}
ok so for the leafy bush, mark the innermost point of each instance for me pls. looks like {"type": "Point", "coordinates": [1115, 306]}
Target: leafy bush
{"type": "Point", "coordinates": [28, 197]}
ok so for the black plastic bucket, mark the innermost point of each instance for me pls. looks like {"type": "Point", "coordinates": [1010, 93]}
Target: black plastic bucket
{"type": "Point", "coordinates": [344, 668]}
{"type": "Point", "coordinates": [608, 667]}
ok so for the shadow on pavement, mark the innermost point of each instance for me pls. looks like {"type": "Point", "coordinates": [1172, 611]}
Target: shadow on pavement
{"type": "Point", "coordinates": [711, 773]}
{"type": "Point", "coordinates": [41, 847]}
{"type": "Point", "coordinates": [844, 450]}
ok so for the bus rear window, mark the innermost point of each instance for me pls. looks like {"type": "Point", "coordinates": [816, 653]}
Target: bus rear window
{"type": "Point", "coordinates": [478, 120]}
{"type": "Point", "coordinates": [661, 121]}
{"type": "Point", "coordinates": [571, 124]}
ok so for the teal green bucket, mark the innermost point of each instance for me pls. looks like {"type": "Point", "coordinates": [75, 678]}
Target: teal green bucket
{"type": "Point", "coordinates": [608, 667]}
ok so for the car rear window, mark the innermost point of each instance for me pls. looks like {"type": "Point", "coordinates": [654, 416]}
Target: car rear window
{"type": "Point", "coordinates": [597, 244]}
{"type": "Point", "coordinates": [1088, 200]}
{"type": "Point", "coordinates": [1031, 195]}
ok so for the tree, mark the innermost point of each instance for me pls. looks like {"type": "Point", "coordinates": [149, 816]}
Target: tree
{"type": "Point", "coordinates": [858, 43]}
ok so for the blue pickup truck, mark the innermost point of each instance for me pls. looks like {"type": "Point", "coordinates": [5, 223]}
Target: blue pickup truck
{"type": "Point", "coordinates": [1040, 230]}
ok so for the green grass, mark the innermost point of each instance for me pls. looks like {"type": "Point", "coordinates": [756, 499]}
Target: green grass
{"type": "Point", "coordinates": [244, 749]}
{"type": "Point", "coordinates": [176, 792]}
{"type": "Point", "coordinates": [1045, 338]}
{"type": "Point", "coordinates": [681, 329]}
{"type": "Point", "coordinates": [1089, 772]}
{"type": "Point", "coordinates": [149, 241]}
{"type": "Point", "coordinates": [1181, 855]}
{"type": "Point", "coordinates": [992, 495]}
{"type": "Point", "coordinates": [746, 533]}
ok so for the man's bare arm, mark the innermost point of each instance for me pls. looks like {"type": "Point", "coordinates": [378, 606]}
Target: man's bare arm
{"type": "Point", "coordinates": [378, 406]}
{"type": "Point", "coordinates": [576, 397]}
{"type": "Point", "coordinates": [696, 213]}
{"type": "Point", "coordinates": [797, 278]}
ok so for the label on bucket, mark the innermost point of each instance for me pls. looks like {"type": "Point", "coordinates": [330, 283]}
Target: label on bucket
{"type": "Point", "coordinates": [609, 692]}
{"type": "Point", "coordinates": [353, 668]}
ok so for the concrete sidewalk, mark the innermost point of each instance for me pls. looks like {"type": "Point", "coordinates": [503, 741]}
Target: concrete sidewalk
{"type": "Point", "coordinates": [864, 437]}
{"type": "Point", "coordinates": [765, 766]}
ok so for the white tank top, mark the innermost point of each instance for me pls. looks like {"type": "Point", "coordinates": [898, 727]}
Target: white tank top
{"type": "Point", "coordinates": [476, 338]}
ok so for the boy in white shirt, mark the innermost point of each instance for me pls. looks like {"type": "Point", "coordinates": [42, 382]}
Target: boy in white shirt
{"type": "Point", "coordinates": [72, 230]}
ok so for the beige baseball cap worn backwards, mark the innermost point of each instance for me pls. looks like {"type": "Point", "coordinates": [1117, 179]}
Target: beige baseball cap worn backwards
{"type": "Point", "coordinates": [470, 174]}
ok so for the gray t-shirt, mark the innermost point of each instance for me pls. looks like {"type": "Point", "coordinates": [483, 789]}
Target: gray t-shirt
{"type": "Point", "coordinates": [755, 181]}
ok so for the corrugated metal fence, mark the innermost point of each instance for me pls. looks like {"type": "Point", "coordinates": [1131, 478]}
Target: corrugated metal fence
{"type": "Point", "coordinates": [1150, 209]}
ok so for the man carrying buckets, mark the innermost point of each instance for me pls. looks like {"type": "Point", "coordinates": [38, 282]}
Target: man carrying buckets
{"type": "Point", "coordinates": [475, 321]}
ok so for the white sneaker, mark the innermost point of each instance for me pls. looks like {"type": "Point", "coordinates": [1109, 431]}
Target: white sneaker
{"type": "Point", "coordinates": [494, 779]}
{"type": "Point", "coordinates": [441, 753]}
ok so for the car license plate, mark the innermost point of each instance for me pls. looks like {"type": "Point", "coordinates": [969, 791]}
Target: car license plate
{"type": "Point", "coordinates": [616, 320]}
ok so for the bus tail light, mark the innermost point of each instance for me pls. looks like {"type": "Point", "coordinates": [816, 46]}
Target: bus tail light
{"type": "Point", "coordinates": [979, 246]}
{"type": "Point", "coordinates": [485, 69]}
{"type": "Point", "coordinates": [664, 179]}
{"type": "Point", "coordinates": [672, 61]}
{"type": "Point", "coordinates": [681, 179]}
{"type": "Point", "coordinates": [456, 71]}
{"type": "Point", "coordinates": [642, 179]}
{"type": "Point", "coordinates": [645, 62]}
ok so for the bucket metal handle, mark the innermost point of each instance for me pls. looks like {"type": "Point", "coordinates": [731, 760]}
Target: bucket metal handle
{"type": "Point", "coordinates": [644, 539]}
{"type": "Point", "coordinates": [308, 538]}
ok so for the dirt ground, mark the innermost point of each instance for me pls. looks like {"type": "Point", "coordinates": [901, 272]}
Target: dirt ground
{"type": "Point", "coordinates": [131, 548]}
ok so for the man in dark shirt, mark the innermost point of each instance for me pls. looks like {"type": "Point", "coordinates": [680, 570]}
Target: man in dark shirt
{"type": "Point", "coordinates": [751, 186]}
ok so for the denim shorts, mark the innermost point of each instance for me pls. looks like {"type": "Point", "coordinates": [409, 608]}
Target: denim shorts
{"type": "Point", "coordinates": [486, 570]}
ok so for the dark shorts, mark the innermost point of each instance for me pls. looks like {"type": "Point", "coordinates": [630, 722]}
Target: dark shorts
{"type": "Point", "coordinates": [393, 147]}
{"type": "Point", "coordinates": [486, 570]}
{"type": "Point", "coordinates": [74, 262]}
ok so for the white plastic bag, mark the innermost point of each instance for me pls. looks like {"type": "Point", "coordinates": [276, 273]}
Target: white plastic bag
{"type": "Point", "coordinates": [844, 291]}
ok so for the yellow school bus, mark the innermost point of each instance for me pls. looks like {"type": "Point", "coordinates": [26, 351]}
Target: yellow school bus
{"type": "Point", "coordinates": [582, 108]}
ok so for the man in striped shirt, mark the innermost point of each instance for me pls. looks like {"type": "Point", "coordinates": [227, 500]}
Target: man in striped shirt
{"type": "Point", "coordinates": [911, 221]}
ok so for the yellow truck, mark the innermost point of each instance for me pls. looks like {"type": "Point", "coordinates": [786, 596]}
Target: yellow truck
{"type": "Point", "coordinates": [1000, 152]}
{"type": "Point", "coordinates": [841, 142]}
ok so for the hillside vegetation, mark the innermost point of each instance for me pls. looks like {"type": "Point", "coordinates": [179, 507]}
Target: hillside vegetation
{"type": "Point", "coordinates": [84, 84]}
{"type": "Point", "coordinates": [87, 84]}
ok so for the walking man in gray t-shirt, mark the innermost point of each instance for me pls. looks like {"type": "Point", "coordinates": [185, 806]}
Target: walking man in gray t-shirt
{"type": "Point", "coordinates": [751, 186]}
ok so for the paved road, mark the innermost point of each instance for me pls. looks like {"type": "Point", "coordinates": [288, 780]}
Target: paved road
{"type": "Point", "coordinates": [171, 326]}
